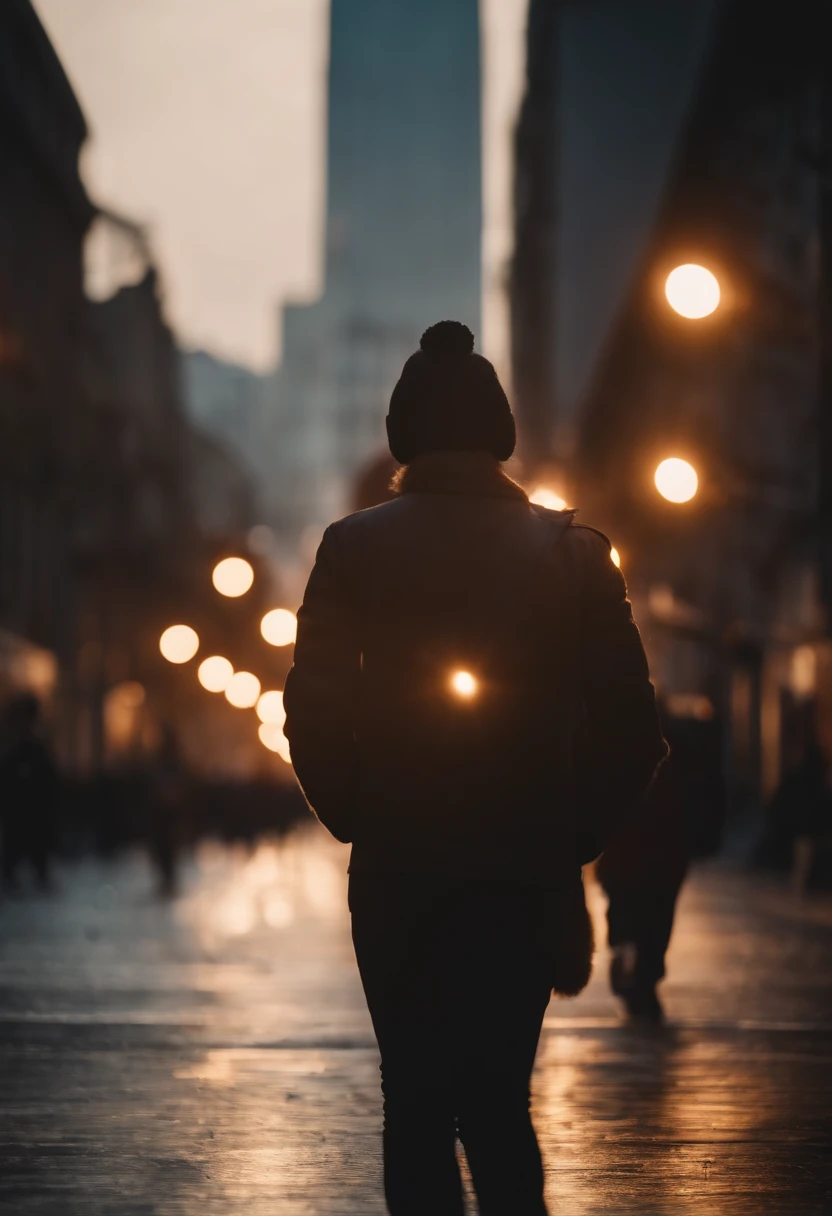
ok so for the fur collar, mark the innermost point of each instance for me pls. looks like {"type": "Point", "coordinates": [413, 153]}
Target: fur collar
{"type": "Point", "coordinates": [473, 473]}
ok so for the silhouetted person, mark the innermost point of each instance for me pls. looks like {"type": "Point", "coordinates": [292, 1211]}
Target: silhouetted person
{"type": "Point", "coordinates": [28, 792]}
{"type": "Point", "coordinates": [645, 861]}
{"type": "Point", "coordinates": [642, 870]}
{"type": "Point", "coordinates": [449, 644]}
{"type": "Point", "coordinates": [800, 814]}
{"type": "Point", "coordinates": [168, 799]}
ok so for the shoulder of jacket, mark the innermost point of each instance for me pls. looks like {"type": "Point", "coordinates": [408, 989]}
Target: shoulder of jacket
{"type": "Point", "coordinates": [359, 519]}
{"type": "Point", "coordinates": [351, 530]}
{"type": "Point", "coordinates": [578, 529]}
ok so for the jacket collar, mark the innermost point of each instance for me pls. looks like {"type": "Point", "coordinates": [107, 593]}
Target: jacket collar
{"type": "Point", "coordinates": [472, 473]}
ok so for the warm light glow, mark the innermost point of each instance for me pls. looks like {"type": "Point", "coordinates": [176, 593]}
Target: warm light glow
{"type": "Point", "coordinates": [179, 643]}
{"type": "Point", "coordinates": [233, 576]}
{"type": "Point", "coordinates": [279, 627]}
{"type": "Point", "coordinates": [803, 671]}
{"type": "Point", "coordinates": [130, 693]}
{"type": "Point", "coordinates": [272, 737]}
{"type": "Point", "coordinates": [215, 673]}
{"type": "Point", "coordinates": [692, 291]}
{"type": "Point", "coordinates": [243, 690]}
{"type": "Point", "coordinates": [122, 712]}
{"type": "Point", "coordinates": [463, 684]}
{"type": "Point", "coordinates": [270, 708]}
{"type": "Point", "coordinates": [544, 497]}
{"type": "Point", "coordinates": [676, 480]}
{"type": "Point", "coordinates": [661, 601]}
{"type": "Point", "coordinates": [690, 705]}
{"type": "Point", "coordinates": [615, 556]}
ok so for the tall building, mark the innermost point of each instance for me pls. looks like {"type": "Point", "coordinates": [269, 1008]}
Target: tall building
{"type": "Point", "coordinates": [44, 215]}
{"type": "Point", "coordinates": [608, 85]}
{"type": "Point", "coordinates": [403, 231]}
{"type": "Point", "coordinates": [229, 402]}
{"type": "Point", "coordinates": [729, 583]}
{"type": "Point", "coordinates": [112, 507]}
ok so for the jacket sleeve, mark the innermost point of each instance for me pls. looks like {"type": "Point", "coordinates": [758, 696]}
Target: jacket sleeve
{"type": "Point", "coordinates": [320, 694]}
{"type": "Point", "coordinates": [622, 743]}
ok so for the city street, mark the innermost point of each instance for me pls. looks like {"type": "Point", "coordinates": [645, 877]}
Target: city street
{"type": "Point", "coordinates": [213, 1055]}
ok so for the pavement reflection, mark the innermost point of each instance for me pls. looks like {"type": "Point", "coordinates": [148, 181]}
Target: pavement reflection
{"type": "Point", "coordinates": [214, 1052]}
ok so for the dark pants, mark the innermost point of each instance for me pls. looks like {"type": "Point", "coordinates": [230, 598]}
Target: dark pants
{"type": "Point", "coordinates": [642, 870]}
{"type": "Point", "coordinates": [644, 918]}
{"type": "Point", "coordinates": [457, 986]}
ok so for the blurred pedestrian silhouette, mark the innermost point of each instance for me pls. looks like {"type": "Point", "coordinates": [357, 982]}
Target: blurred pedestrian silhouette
{"type": "Point", "coordinates": [642, 870]}
{"type": "Point", "coordinates": [28, 793]}
{"type": "Point", "coordinates": [800, 815]}
{"type": "Point", "coordinates": [168, 807]}
{"type": "Point", "coordinates": [645, 861]}
{"type": "Point", "coordinates": [452, 646]}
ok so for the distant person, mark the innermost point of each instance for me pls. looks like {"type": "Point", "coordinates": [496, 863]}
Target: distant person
{"type": "Point", "coordinates": [800, 814]}
{"type": "Point", "coordinates": [646, 860]}
{"type": "Point", "coordinates": [28, 793]}
{"type": "Point", "coordinates": [642, 870]}
{"type": "Point", "coordinates": [168, 807]}
{"type": "Point", "coordinates": [450, 645]}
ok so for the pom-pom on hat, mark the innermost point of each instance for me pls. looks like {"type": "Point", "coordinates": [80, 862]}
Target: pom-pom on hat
{"type": "Point", "coordinates": [448, 399]}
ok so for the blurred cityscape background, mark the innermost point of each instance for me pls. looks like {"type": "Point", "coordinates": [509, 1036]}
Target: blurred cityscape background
{"type": "Point", "coordinates": [220, 236]}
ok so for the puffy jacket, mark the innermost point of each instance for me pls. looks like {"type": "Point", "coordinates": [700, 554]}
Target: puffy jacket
{"type": "Point", "coordinates": [530, 761]}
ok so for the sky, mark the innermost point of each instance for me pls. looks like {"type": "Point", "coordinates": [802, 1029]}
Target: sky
{"type": "Point", "coordinates": [206, 125]}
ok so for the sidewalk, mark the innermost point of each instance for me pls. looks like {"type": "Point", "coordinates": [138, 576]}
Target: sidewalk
{"type": "Point", "coordinates": [214, 1056]}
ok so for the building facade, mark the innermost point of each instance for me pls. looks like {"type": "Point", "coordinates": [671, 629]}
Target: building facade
{"type": "Point", "coordinates": [44, 215]}
{"type": "Point", "coordinates": [728, 583]}
{"type": "Point", "coordinates": [113, 508]}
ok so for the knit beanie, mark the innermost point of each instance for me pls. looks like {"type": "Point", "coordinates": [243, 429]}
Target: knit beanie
{"type": "Point", "coordinates": [448, 399]}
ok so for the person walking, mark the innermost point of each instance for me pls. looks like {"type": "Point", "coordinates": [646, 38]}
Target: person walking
{"type": "Point", "coordinates": [641, 871]}
{"type": "Point", "coordinates": [470, 707]}
{"type": "Point", "coordinates": [646, 860]}
{"type": "Point", "coordinates": [28, 794]}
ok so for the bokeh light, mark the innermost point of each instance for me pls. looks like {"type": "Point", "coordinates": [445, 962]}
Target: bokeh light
{"type": "Point", "coordinates": [179, 643]}
{"type": "Point", "coordinates": [279, 627]}
{"type": "Point", "coordinates": [692, 291]}
{"type": "Point", "coordinates": [233, 576]}
{"type": "Point", "coordinates": [243, 690]}
{"type": "Point", "coordinates": [463, 684]}
{"type": "Point", "coordinates": [272, 737]}
{"type": "Point", "coordinates": [544, 497]}
{"type": "Point", "coordinates": [615, 556]}
{"type": "Point", "coordinates": [270, 708]}
{"type": "Point", "coordinates": [676, 480]}
{"type": "Point", "coordinates": [803, 674]}
{"type": "Point", "coordinates": [215, 673]}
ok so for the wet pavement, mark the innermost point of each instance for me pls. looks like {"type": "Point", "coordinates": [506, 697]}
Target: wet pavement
{"type": "Point", "coordinates": [213, 1055]}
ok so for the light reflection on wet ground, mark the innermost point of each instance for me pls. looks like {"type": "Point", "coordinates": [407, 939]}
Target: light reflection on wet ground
{"type": "Point", "coordinates": [214, 1054]}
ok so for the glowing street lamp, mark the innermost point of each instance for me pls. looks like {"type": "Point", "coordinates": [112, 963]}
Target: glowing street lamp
{"type": "Point", "coordinates": [233, 576]}
{"type": "Point", "coordinates": [179, 643]}
{"type": "Point", "coordinates": [692, 291]}
{"type": "Point", "coordinates": [463, 684]}
{"type": "Point", "coordinates": [676, 480]}
{"type": "Point", "coordinates": [243, 690]}
{"type": "Point", "coordinates": [215, 673]}
{"type": "Point", "coordinates": [279, 627]}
